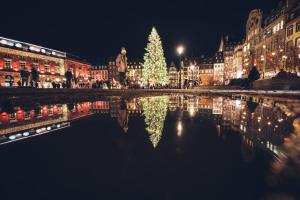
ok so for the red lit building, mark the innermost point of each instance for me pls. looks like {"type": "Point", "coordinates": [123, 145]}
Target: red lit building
{"type": "Point", "coordinates": [16, 55]}
{"type": "Point", "coordinates": [79, 67]}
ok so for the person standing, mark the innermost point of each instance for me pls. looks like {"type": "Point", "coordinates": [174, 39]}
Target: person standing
{"type": "Point", "coordinates": [24, 77]}
{"type": "Point", "coordinates": [121, 63]}
{"type": "Point", "coordinates": [35, 77]}
{"type": "Point", "coordinates": [69, 77]}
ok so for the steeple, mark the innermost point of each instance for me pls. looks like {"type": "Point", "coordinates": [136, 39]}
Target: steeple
{"type": "Point", "coordinates": [221, 48]}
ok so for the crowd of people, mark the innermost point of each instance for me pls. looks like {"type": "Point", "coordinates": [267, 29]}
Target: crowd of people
{"type": "Point", "coordinates": [32, 79]}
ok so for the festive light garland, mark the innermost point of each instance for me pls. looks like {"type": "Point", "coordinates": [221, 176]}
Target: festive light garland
{"type": "Point", "coordinates": [154, 67]}
{"type": "Point", "coordinates": [155, 112]}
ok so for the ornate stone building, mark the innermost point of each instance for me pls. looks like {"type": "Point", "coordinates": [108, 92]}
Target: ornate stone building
{"type": "Point", "coordinates": [79, 67]}
{"type": "Point", "coordinates": [16, 55]}
{"type": "Point", "coordinates": [99, 73]}
{"type": "Point", "coordinates": [206, 72]}
{"type": "Point", "coordinates": [293, 38]}
{"type": "Point", "coordinates": [173, 76]}
{"type": "Point", "coordinates": [218, 74]}
{"type": "Point", "coordinates": [134, 71]}
{"type": "Point", "coordinates": [265, 46]}
{"type": "Point", "coordinates": [238, 61]}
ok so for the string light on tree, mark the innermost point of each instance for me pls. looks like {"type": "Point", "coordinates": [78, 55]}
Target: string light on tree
{"type": "Point", "coordinates": [154, 67]}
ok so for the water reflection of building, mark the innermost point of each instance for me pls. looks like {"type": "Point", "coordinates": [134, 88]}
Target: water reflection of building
{"type": "Point", "coordinates": [17, 123]}
{"type": "Point", "coordinates": [100, 107]}
{"type": "Point", "coordinates": [260, 122]}
{"type": "Point", "coordinates": [80, 110]}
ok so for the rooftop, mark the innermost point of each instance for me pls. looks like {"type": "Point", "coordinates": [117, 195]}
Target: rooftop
{"type": "Point", "coordinates": [23, 46]}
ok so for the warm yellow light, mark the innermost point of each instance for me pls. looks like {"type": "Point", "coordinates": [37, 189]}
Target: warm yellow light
{"type": "Point", "coordinates": [192, 66]}
{"type": "Point", "coordinates": [192, 111]}
{"type": "Point", "coordinates": [284, 57]}
{"type": "Point", "coordinates": [180, 50]}
{"type": "Point", "coordinates": [273, 53]}
{"type": "Point", "coordinates": [179, 128]}
{"type": "Point", "coordinates": [264, 46]}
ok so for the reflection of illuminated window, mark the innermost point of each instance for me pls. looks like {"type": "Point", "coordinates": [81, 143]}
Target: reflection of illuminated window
{"type": "Point", "coordinates": [27, 114]}
{"type": "Point", "coordinates": [12, 116]}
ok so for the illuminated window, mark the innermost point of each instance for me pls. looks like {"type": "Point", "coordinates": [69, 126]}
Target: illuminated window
{"type": "Point", "coordinates": [298, 42]}
{"type": "Point", "coordinates": [290, 30]}
{"type": "Point", "coordinates": [7, 64]}
{"type": "Point", "coordinates": [298, 26]}
{"type": "Point", "coordinates": [57, 69]}
{"type": "Point", "coordinates": [47, 68]}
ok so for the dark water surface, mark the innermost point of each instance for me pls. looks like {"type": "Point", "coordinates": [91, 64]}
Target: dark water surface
{"type": "Point", "coordinates": [163, 147]}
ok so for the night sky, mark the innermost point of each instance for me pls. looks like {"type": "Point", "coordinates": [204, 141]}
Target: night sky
{"type": "Point", "coordinates": [96, 30]}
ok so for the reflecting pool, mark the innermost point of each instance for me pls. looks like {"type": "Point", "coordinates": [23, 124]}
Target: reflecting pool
{"type": "Point", "coordinates": [151, 147]}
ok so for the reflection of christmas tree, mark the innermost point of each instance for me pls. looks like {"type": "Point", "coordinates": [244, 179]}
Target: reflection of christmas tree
{"type": "Point", "coordinates": [155, 112]}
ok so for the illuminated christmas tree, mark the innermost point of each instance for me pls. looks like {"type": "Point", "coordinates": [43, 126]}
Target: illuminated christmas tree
{"type": "Point", "coordinates": [154, 67]}
{"type": "Point", "coordinates": [155, 112]}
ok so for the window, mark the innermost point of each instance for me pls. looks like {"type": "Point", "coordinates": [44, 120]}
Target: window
{"type": "Point", "coordinates": [290, 30]}
{"type": "Point", "coordinates": [298, 42]}
{"type": "Point", "coordinates": [57, 69]}
{"type": "Point", "coordinates": [298, 27]}
{"type": "Point", "coordinates": [7, 64]}
{"type": "Point", "coordinates": [47, 68]}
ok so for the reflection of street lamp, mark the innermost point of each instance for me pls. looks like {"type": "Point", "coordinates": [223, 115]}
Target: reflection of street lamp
{"type": "Point", "coordinates": [179, 129]}
{"type": "Point", "coordinates": [180, 50]}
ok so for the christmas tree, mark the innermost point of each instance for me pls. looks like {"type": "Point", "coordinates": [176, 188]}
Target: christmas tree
{"type": "Point", "coordinates": [155, 112]}
{"type": "Point", "coordinates": [154, 67]}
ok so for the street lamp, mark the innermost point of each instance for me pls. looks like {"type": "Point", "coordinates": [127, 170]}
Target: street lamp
{"type": "Point", "coordinates": [180, 50]}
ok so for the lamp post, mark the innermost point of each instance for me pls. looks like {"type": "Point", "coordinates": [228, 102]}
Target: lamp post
{"type": "Point", "coordinates": [180, 50]}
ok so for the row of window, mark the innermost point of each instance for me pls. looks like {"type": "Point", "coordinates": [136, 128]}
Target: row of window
{"type": "Point", "coordinates": [290, 29]}
{"type": "Point", "coordinates": [99, 72]}
{"type": "Point", "coordinates": [22, 65]}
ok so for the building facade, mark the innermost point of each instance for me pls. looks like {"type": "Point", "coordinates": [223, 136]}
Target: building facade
{"type": "Point", "coordinates": [134, 72]}
{"type": "Point", "coordinates": [79, 68]}
{"type": "Point", "coordinates": [218, 76]}
{"type": "Point", "coordinates": [16, 55]}
{"type": "Point", "coordinates": [99, 73]}
{"type": "Point", "coordinates": [238, 61]}
{"type": "Point", "coordinates": [228, 54]}
{"type": "Point", "coordinates": [112, 70]}
{"type": "Point", "coordinates": [173, 76]}
{"type": "Point", "coordinates": [269, 40]}
{"type": "Point", "coordinates": [206, 71]}
{"type": "Point", "coordinates": [293, 39]}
